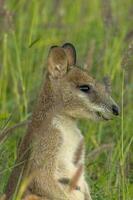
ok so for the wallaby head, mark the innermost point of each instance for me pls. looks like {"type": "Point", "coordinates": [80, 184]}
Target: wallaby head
{"type": "Point", "coordinates": [77, 94]}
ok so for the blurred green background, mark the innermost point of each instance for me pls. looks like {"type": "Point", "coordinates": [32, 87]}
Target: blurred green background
{"type": "Point", "coordinates": [102, 32]}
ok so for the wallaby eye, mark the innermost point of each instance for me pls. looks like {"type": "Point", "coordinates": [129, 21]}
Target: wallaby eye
{"type": "Point", "coordinates": [85, 88]}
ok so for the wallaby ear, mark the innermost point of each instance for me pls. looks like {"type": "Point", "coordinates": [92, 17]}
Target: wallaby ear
{"type": "Point", "coordinates": [71, 53]}
{"type": "Point", "coordinates": [57, 62]}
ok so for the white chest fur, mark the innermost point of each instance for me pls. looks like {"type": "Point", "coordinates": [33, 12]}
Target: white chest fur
{"type": "Point", "coordinates": [71, 139]}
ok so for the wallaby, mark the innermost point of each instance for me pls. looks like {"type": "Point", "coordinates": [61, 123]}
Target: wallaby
{"type": "Point", "coordinates": [53, 148]}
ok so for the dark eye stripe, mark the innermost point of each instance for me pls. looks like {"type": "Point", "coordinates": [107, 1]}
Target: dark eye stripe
{"type": "Point", "coordinates": [85, 88]}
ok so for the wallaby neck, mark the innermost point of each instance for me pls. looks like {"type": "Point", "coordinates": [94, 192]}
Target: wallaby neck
{"type": "Point", "coordinates": [60, 119]}
{"type": "Point", "coordinates": [49, 105]}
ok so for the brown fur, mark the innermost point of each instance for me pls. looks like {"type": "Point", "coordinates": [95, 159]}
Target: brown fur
{"type": "Point", "coordinates": [53, 137]}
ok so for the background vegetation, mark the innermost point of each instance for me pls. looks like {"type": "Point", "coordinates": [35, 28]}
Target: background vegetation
{"type": "Point", "coordinates": [102, 31]}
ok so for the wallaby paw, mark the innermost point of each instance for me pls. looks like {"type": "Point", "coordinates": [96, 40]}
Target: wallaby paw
{"type": "Point", "coordinates": [3, 197]}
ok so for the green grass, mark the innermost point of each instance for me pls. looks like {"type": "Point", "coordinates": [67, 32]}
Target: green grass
{"type": "Point", "coordinates": [28, 29]}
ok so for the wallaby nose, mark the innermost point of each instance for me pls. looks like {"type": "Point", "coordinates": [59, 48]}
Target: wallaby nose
{"type": "Point", "coordinates": [115, 110]}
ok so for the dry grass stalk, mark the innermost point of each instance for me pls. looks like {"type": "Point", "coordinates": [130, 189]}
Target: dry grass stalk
{"type": "Point", "coordinates": [10, 130]}
{"type": "Point", "coordinates": [127, 57]}
{"type": "Point", "coordinates": [107, 83]}
{"type": "Point", "coordinates": [96, 152]}
{"type": "Point", "coordinates": [89, 60]}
